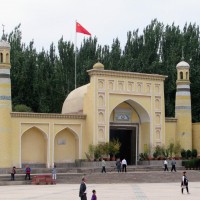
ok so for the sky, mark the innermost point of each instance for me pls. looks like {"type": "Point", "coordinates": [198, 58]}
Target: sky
{"type": "Point", "coordinates": [46, 21]}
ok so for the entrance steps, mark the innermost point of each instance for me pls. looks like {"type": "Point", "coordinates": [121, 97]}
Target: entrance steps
{"type": "Point", "coordinates": [74, 175]}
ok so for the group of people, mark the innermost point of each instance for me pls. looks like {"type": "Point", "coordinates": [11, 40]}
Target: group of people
{"type": "Point", "coordinates": [83, 188]}
{"type": "Point", "coordinates": [184, 180]}
{"type": "Point", "coordinates": [173, 164]}
{"type": "Point", "coordinates": [83, 191]}
{"type": "Point", "coordinates": [121, 165]}
{"type": "Point", "coordinates": [28, 173]}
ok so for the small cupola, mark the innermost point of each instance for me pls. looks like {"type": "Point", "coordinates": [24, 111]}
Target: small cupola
{"type": "Point", "coordinates": [183, 69]}
{"type": "Point", "coordinates": [98, 66]}
{"type": "Point", "coordinates": [4, 50]}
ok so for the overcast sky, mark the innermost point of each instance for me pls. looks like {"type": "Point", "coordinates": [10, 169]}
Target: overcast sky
{"type": "Point", "coordinates": [46, 21]}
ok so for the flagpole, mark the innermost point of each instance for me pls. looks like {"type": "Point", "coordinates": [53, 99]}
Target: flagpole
{"type": "Point", "coordinates": [75, 56]}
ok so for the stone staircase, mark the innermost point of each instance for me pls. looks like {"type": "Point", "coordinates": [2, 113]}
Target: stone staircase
{"type": "Point", "coordinates": [74, 174]}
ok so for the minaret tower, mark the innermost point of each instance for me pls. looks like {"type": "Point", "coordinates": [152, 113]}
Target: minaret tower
{"type": "Point", "coordinates": [5, 103]}
{"type": "Point", "coordinates": [183, 106]}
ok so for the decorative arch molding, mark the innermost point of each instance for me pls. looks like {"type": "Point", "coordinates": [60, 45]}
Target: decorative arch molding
{"type": "Point", "coordinates": [142, 113]}
{"type": "Point", "coordinates": [34, 143]}
{"type": "Point", "coordinates": [70, 129]}
{"type": "Point", "coordinates": [32, 127]}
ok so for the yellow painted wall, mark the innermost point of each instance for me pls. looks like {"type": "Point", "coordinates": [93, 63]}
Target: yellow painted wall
{"type": "Point", "coordinates": [196, 137]}
{"type": "Point", "coordinates": [34, 146]}
{"type": "Point", "coordinates": [144, 137]}
{"type": "Point", "coordinates": [170, 131]}
{"type": "Point", "coordinates": [65, 147]}
{"type": "Point", "coordinates": [35, 127]}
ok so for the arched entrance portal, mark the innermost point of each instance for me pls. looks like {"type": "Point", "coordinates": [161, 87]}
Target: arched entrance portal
{"type": "Point", "coordinates": [130, 124]}
{"type": "Point", "coordinates": [128, 137]}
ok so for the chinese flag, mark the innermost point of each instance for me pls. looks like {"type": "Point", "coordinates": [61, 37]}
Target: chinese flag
{"type": "Point", "coordinates": [80, 29]}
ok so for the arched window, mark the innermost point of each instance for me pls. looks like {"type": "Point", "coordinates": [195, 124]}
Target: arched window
{"type": "Point", "coordinates": [7, 58]}
{"type": "Point", "coordinates": [181, 75]}
{"type": "Point", "coordinates": [187, 75]}
{"type": "Point", "coordinates": [1, 57]}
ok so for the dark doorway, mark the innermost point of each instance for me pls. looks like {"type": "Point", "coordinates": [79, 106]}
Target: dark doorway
{"type": "Point", "coordinates": [127, 138]}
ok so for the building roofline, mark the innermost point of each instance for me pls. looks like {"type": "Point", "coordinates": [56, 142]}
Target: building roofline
{"type": "Point", "coordinates": [47, 115]}
{"type": "Point", "coordinates": [123, 74]}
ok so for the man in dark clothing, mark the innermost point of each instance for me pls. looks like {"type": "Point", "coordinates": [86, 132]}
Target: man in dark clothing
{"type": "Point", "coordinates": [184, 183]}
{"type": "Point", "coordinates": [82, 191]}
{"type": "Point", "coordinates": [173, 165]}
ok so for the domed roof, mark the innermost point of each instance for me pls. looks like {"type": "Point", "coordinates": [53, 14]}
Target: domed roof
{"type": "Point", "coordinates": [74, 101]}
{"type": "Point", "coordinates": [98, 65]}
{"type": "Point", "coordinates": [183, 64]}
{"type": "Point", "coordinates": [4, 44]}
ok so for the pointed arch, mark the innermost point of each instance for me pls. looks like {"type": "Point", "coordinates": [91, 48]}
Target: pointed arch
{"type": "Point", "coordinates": [66, 146]}
{"type": "Point", "coordinates": [138, 108]}
{"type": "Point", "coordinates": [34, 142]}
{"type": "Point", "coordinates": [45, 134]}
{"type": "Point", "coordinates": [7, 58]}
{"type": "Point", "coordinates": [181, 75]}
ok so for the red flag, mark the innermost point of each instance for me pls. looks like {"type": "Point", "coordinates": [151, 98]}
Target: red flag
{"type": "Point", "coordinates": [80, 29]}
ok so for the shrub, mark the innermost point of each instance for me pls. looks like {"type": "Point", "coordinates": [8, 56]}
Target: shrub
{"type": "Point", "coordinates": [194, 153]}
{"type": "Point", "coordinates": [143, 156]}
{"type": "Point", "coordinates": [171, 149]}
{"type": "Point", "coordinates": [183, 153]}
{"type": "Point", "coordinates": [188, 154]}
{"type": "Point", "coordinates": [114, 147]}
{"type": "Point", "coordinates": [22, 108]}
{"type": "Point", "coordinates": [165, 152]}
{"type": "Point", "coordinates": [177, 149]}
{"type": "Point", "coordinates": [155, 154]}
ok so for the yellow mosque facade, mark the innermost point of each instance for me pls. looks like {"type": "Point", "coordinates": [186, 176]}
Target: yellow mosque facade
{"type": "Point", "coordinates": [126, 105]}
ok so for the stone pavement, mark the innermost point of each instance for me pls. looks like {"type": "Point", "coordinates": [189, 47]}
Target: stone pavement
{"type": "Point", "coordinates": [130, 191]}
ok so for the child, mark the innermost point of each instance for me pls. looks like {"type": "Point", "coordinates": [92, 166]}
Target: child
{"type": "Point", "coordinates": [94, 197]}
{"type": "Point", "coordinates": [184, 183]}
{"type": "Point", "coordinates": [13, 172]}
{"type": "Point", "coordinates": [54, 174]}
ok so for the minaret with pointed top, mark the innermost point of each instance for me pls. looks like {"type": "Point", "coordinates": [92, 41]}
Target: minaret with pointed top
{"type": "Point", "coordinates": [5, 103]}
{"type": "Point", "coordinates": [183, 105]}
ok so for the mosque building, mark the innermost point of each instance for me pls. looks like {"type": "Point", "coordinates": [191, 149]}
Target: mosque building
{"type": "Point", "coordinates": [126, 105]}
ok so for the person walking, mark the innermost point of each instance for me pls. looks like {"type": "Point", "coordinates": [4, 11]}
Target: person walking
{"type": "Point", "coordinates": [83, 189]}
{"type": "Point", "coordinates": [94, 196]}
{"type": "Point", "coordinates": [54, 174]}
{"type": "Point", "coordinates": [165, 165]}
{"type": "Point", "coordinates": [103, 164]}
{"type": "Point", "coordinates": [184, 183]}
{"type": "Point", "coordinates": [118, 165]}
{"type": "Point", "coordinates": [124, 165]}
{"type": "Point", "coordinates": [173, 163]}
{"type": "Point", "coordinates": [12, 173]}
{"type": "Point", "coordinates": [28, 173]}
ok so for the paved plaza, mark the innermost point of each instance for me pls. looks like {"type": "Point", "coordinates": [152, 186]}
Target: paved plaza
{"type": "Point", "coordinates": [138, 191]}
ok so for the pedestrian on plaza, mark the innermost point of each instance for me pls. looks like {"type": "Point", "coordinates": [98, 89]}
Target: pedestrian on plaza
{"type": "Point", "coordinates": [28, 172]}
{"type": "Point", "coordinates": [12, 173]}
{"type": "Point", "coordinates": [103, 164]}
{"type": "Point", "coordinates": [165, 165]}
{"type": "Point", "coordinates": [173, 163]}
{"type": "Point", "coordinates": [54, 174]}
{"type": "Point", "coordinates": [118, 165]}
{"type": "Point", "coordinates": [184, 183]}
{"type": "Point", "coordinates": [83, 189]}
{"type": "Point", "coordinates": [94, 196]}
{"type": "Point", "coordinates": [124, 165]}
